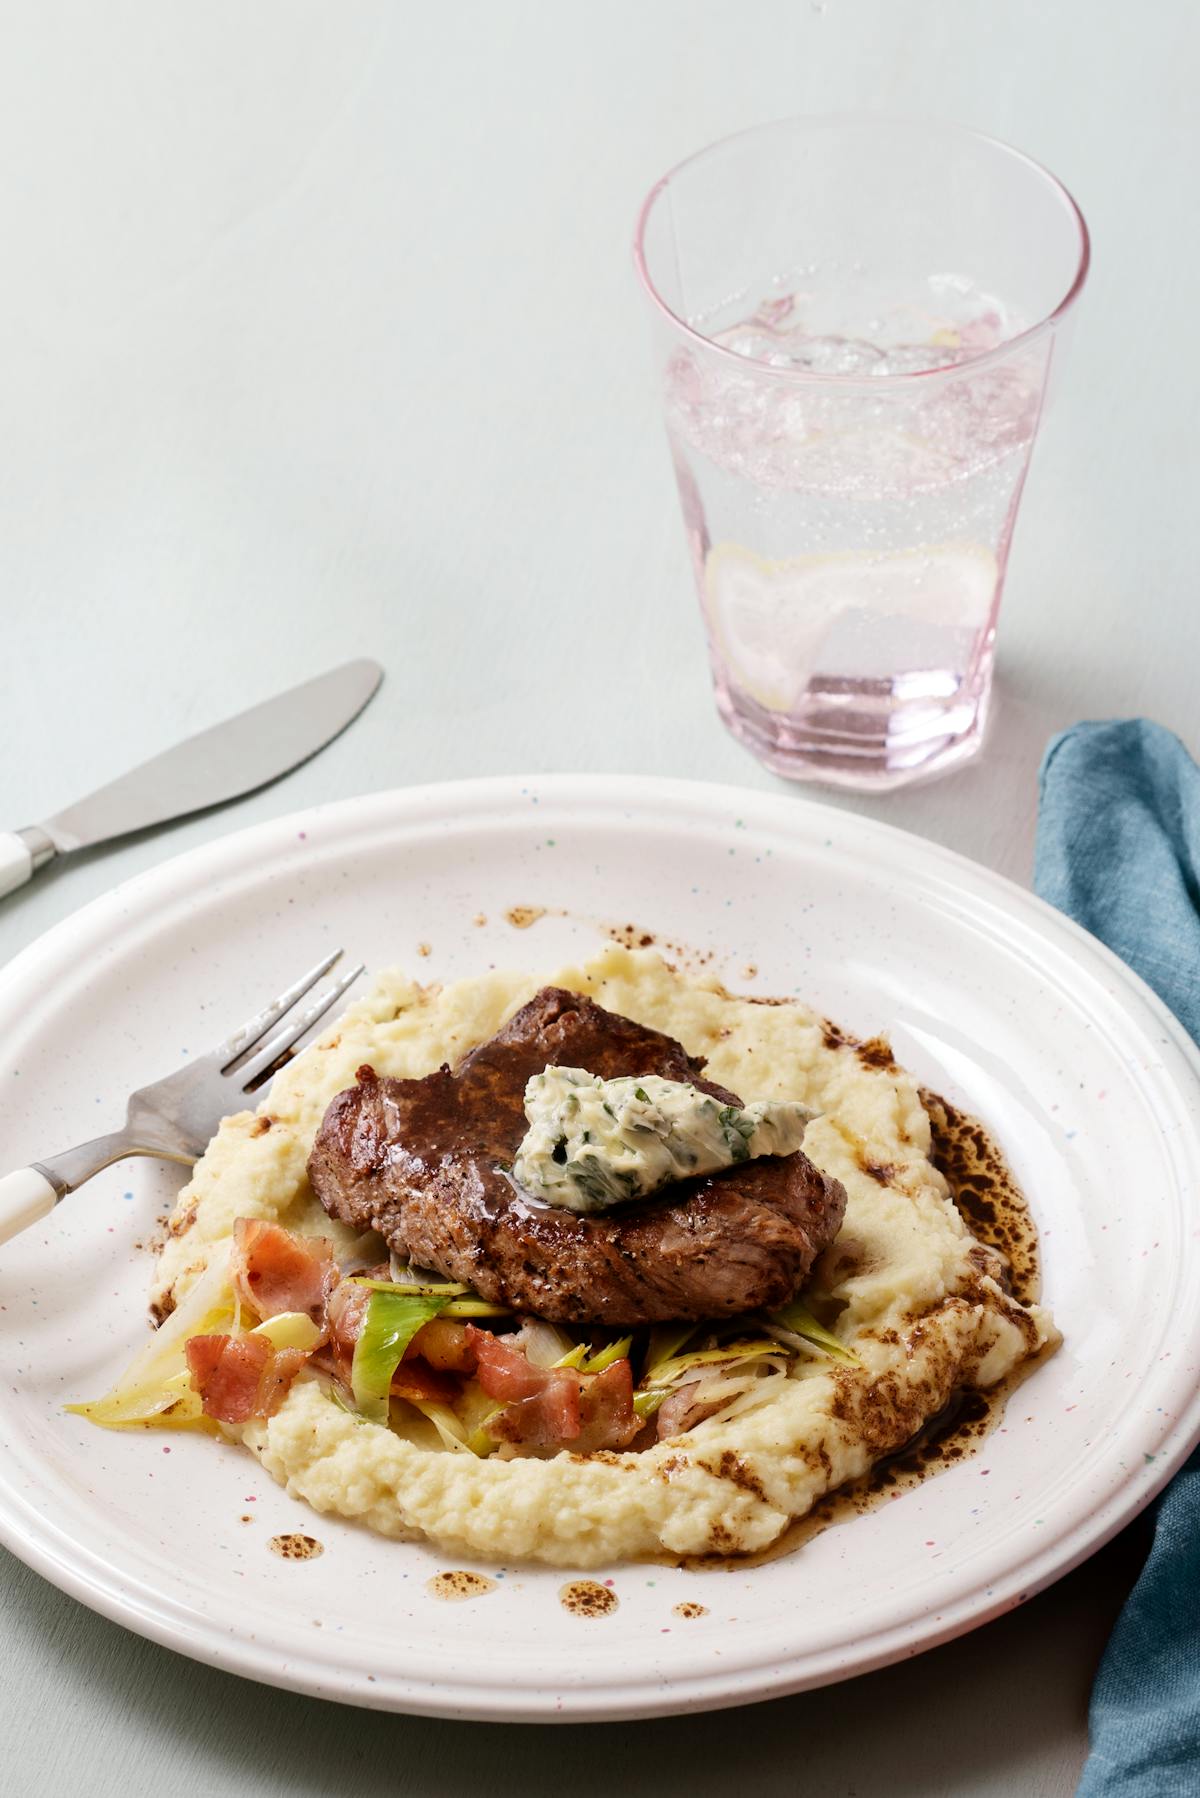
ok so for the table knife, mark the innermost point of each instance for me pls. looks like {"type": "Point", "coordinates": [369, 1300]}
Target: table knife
{"type": "Point", "coordinates": [217, 765]}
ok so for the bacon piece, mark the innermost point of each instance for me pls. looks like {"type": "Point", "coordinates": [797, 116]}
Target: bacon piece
{"type": "Point", "coordinates": [417, 1381]}
{"type": "Point", "coordinates": [684, 1409]}
{"type": "Point", "coordinates": [552, 1406]}
{"type": "Point", "coordinates": [546, 1419]}
{"type": "Point", "coordinates": [241, 1377]}
{"type": "Point", "coordinates": [606, 1414]}
{"type": "Point", "coordinates": [275, 1270]}
{"type": "Point", "coordinates": [542, 1403]}
{"type": "Point", "coordinates": [344, 1313]}
{"type": "Point", "coordinates": [506, 1373]}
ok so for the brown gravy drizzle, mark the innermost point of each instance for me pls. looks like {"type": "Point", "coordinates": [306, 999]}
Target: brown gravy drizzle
{"type": "Point", "coordinates": [995, 1209]}
{"type": "Point", "coordinates": [676, 955]}
{"type": "Point", "coordinates": [986, 1193]}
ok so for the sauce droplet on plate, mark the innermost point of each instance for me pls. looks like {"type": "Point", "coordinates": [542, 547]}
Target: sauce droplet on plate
{"type": "Point", "coordinates": [296, 1547]}
{"type": "Point", "coordinates": [522, 916]}
{"type": "Point", "coordinates": [587, 1598]}
{"type": "Point", "coordinates": [459, 1584]}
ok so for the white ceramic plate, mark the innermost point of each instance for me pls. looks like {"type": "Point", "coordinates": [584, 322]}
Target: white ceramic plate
{"type": "Point", "coordinates": [986, 994]}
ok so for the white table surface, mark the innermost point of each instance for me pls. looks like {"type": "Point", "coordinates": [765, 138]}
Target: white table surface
{"type": "Point", "coordinates": [318, 337]}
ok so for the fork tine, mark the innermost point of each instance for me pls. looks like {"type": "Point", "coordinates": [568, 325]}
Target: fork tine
{"type": "Point", "coordinates": [261, 1022]}
{"type": "Point", "coordinates": [293, 1030]}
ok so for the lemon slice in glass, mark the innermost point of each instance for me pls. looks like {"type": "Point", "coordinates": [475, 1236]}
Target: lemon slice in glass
{"type": "Point", "coordinates": [769, 619]}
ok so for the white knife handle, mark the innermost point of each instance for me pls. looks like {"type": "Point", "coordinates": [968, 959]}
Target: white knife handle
{"type": "Point", "coordinates": [25, 1197]}
{"type": "Point", "coordinates": [16, 861]}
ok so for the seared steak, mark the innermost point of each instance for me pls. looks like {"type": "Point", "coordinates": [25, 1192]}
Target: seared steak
{"type": "Point", "coordinates": [425, 1163]}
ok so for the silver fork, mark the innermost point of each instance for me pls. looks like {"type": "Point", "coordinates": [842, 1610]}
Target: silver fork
{"type": "Point", "coordinates": [176, 1117]}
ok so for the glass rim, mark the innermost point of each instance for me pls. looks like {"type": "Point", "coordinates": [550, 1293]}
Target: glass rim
{"type": "Point", "coordinates": [811, 377]}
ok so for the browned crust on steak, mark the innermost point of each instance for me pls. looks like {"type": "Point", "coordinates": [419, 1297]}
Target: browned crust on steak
{"type": "Point", "coordinates": [423, 1162]}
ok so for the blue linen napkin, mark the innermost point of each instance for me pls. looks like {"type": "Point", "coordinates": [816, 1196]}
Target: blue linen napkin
{"type": "Point", "coordinates": [1118, 850]}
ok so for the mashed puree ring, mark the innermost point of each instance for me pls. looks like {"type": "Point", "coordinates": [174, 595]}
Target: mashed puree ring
{"type": "Point", "coordinates": [922, 1304]}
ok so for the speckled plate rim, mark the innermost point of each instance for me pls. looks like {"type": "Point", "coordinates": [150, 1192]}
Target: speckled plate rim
{"type": "Point", "coordinates": [976, 893]}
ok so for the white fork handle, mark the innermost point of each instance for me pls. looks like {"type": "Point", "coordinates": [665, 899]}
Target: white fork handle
{"type": "Point", "coordinates": [25, 1197]}
{"type": "Point", "coordinates": [16, 861]}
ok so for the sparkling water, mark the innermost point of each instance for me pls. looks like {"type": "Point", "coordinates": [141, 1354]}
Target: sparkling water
{"type": "Point", "coordinates": [850, 534]}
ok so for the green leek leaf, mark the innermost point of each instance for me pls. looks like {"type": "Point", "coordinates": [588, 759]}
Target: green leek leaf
{"type": "Point", "coordinates": [392, 1320]}
{"type": "Point", "coordinates": [797, 1318]}
{"type": "Point", "coordinates": [437, 1289]}
{"type": "Point", "coordinates": [461, 1301]}
{"type": "Point", "coordinates": [669, 1373]}
{"type": "Point", "coordinates": [444, 1420]}
{"type": "Point", "coordinates": [666, 1340]}
{"type": "Point", "coordinates": [176, 1406]}
{"type": "Point", "coordinates": [616, 1351]}
{"type": "Point", "coordinates": [481, 1442]}
{"type": "Point", "coordinates": [336, 1397]}
{"type": "Point", "coordinates": [290, 1330]}
{"type": "Point", "coordinates": [647, 1403]}
{"type": "Point", "coordinates": [155, 1389]}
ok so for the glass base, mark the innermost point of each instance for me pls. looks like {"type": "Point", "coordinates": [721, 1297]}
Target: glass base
{"type": "Point", "coordinates": [865, 735]}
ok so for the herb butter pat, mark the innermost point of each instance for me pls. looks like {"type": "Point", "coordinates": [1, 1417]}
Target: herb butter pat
{"type": "Point", "coordinates": [593, 1143]}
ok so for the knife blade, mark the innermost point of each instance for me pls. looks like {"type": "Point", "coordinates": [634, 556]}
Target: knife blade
{"type": "Point", "coordinates": [219, 764]}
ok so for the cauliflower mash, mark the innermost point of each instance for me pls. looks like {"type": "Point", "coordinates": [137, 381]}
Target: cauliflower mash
{"type": "Point", "coordinates": [904, 1286]}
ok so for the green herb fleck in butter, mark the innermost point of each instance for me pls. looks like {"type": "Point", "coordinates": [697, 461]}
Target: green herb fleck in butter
{"type": "Point", "coordinates": [592, 1143]}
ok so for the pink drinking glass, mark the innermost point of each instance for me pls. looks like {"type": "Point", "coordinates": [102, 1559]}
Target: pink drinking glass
{"type": "Point", "coordinates": [855, 321]}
